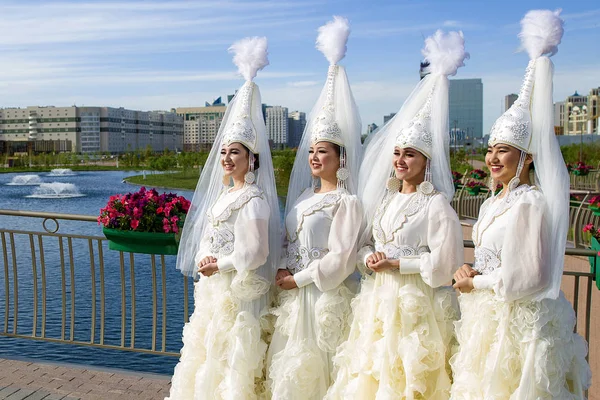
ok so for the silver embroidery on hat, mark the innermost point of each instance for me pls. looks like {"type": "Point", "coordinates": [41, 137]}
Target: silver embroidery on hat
{"type": "Point", "coordinates": [242, 130]}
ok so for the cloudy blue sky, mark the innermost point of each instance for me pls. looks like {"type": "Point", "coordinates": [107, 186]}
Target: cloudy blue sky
{"type": "Point", "coordinates": [157, 55]}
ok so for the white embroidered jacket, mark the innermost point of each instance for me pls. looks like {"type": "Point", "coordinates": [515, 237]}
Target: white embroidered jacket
{"type": "Point", "coordinates": [422, 232]}
{"type": "Point", "coordinates": [509, 241]}
{"type": "Point", "coordinates": [238, 233]}
{"type": "Point", "coordinates": [322, 230]}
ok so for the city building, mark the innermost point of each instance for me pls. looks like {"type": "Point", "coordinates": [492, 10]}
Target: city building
{"type": "Point", "coordinates": [296, 125]}
{"type": "Point", "coordinates": [386, 118]}
{"type": "Point", "coordinates": [201, 124]}
{"type": "Point", "coordinates": [466, 108]}
{"type": "Point", "coordinates": [580, 116]}
{"type": "Point", "coordinates": [371, 127]}
{"type": "Point", "coordinates": [91, 129]}
{"type": "Point", "coordinates": [509, 99]}
{"type": "Point", "coordinates": [277, 125]}
{"type": "Point", "coordinates": [559, 117]}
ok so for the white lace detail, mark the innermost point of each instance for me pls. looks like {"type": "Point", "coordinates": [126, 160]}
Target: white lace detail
{"type": "Point", "coordinates": [251, 192]}
{"type": "Point", "coordinates": [507, 203]}
{"type": "Point", "coordinates": [299, 256]}
{"type": "Point", "coordinates": [242, 129]}
{"type": "Point", "coordinates": [486, 260]}
{"type": "Point", "coordinates": [329, 200]}
{"type": "Point", "coordinates": [395, 252]}
{"type": "Point", "coordinates": [221, 240]}
{"type": "Point", "coordinates": [416, 204]}
{"type": "Point", "coordinates": [514, 126]}
{"type": "Point", "coordinates": [325, 127]}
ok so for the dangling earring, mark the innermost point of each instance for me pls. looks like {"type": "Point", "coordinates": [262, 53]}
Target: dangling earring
{"type": "Point", "coordinates": [492, 186]}
{"type": "Point", "coordinates": [393, 184]}
{"type": "Point", "coordinates": [515, 181]}
{"type": "Point", "coordinates": [249, 177]}
{"type": "Point", "coordinates": [426, 187]}
{"type": "Point", "coordinates": [342, 173]}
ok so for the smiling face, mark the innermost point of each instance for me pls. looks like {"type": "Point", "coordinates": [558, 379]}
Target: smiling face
{"type": "Point", "coordinates": [234, 160]}
{"type": "Point", "coordinates": [503, 160]}
{"type": "Point", "coordinates": [324, 160]}
{"type": "Point", "coordinates": [409, 165]}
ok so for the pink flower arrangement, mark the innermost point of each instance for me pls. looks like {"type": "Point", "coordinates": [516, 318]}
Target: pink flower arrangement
{"type": "Point", "coordinates": [478, 174]}
{"type": "Point", "coordinates": [595, 201]}
{"type": "Point", "coordinates": [145, 211]}
{"type": "Point", "coordinates": [474, 184]}
{"type": "Point", "coordinates": [589, 228]}
{"type": "Point", "coordinates": [581, 168]}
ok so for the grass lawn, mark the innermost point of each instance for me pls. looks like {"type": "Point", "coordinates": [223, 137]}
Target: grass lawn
{"type": "Point", "coordinates": [177, 180]}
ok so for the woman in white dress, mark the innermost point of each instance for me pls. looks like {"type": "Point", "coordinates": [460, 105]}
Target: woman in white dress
{"type": "Point", "coordinates": [231, 238]}
{"type": "Point", "coordinates": [515, 335]}
{"type": "Point", "coordinates": [322, 224]}
{"type": "Point", "coordinates": [401, 335]}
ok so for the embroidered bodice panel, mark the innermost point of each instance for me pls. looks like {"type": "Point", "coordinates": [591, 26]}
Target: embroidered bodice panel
{"type": "Point", "coordinates": [308, 224]}
{"type": "Point", "coordinates": [400, 224]}
{"type": "Point", "coordinates": [223, 215]}
{"type": "Point", "coordinates": [491, 227]}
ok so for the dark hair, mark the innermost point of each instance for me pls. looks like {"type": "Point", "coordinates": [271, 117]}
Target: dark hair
{"type": "Point", "coordinates": [256, 162]}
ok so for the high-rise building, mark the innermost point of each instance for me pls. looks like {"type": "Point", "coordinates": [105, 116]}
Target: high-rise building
{"type": "Point", "coordinates": [386, 118]}
{"type": "Point", "coordinates": [296, 125]}
{"type": "Point", "coordinates": [371, 128]}
{"type": "Point", "coordinates": [509, 99]}
{"type": "Point", "coordinates": [277, 125]}
{"type": "Point", "coordinates": [91, 129]}
{"type": "Point", "coordinates": [466, 108]}
{"type": "Point", "coordinates": [559, 117]}
{"type": "Point", "coordinates": [201, 125]}
{"type": "Point", "coordinates": [594, 110]}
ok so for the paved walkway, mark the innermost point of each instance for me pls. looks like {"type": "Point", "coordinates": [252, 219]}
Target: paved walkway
{"type": "Point", "coordinates": [21, 379]}
{"type": "Point", "coordinates": [37, 380]}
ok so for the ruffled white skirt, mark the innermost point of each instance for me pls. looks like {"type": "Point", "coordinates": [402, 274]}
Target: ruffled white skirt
{"type": "Point", "coordinates": [400, 341]}
{"type": "Point", "coordinates": [310, 325]}
{"type": "Point", "coordinates": [225, 341]}
{"type": "Point", "coordinates": [522, 350]}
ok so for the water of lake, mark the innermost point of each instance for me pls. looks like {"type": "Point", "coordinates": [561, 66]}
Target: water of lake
{"type": "Point", "coordinates": [83, 193]}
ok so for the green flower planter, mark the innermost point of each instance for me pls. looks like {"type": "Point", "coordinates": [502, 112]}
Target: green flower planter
{"type": "Point", "coordinates": [595, 261]}
{"type": "Point", "coordinates": [595, 210]}
{"type": "Point", "coordinates": [474, 191]}
{"type": "Point", "coordinates": [142, 242]}
{"type": "Point", "coordinates": [579, 173]}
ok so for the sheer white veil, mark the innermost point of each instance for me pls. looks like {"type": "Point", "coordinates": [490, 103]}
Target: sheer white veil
{"type": "Point", "coordinates": [446, 53]}
{"type": "Point", "coordinates": [542, 32]}
{"type": "Point", "coordinates": [346, 116]}
{"type": "Point", "coordinates": [210, 184]}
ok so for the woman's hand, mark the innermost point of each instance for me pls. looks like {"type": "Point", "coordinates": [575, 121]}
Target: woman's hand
{"type": "Point", "coordinates": [281, 273]}
{"type": "Point", "coordinates": [209, 269]}
{"type": "Point", "coordinates": [287, 282]}
{"type": "Point", "coordinates": [374, 258]}
{"type": "Point", "coordinates": [465, 272]}
{"type": "Point", "coordinates": [206, 260]}
{"type": "Point", "coordinates": [384, 265]}
{"type": "Point", "coordinates": [465, 285]}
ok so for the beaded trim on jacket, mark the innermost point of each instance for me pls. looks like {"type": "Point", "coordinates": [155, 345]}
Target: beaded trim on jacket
{"type": "Point", "coordinates": [250, 192]}
{"type": "Point", "coordinates": [415, 204]}
{"type": "Point", "coordinates": [507, 203]}
{"type": "Point", "coordinates": [330, 199]}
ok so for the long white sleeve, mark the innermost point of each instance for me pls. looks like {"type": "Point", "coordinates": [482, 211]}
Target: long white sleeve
{"type": "Point", "coordinates": [330, 271]}
{"type": "Point", "coordinates": [444, 239]}
{"type": "Point", "coordinates": [523, 269]}
{"type": "Point", "coordinates": [251, 242]}
{"type": "Point", "coordinates": [204, 248]}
